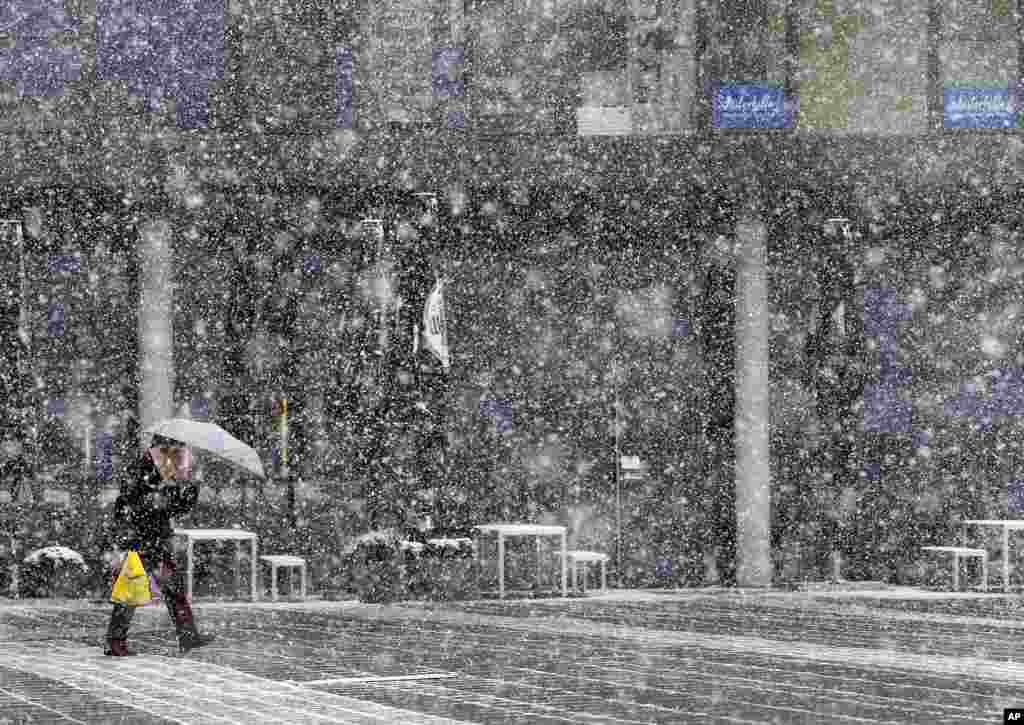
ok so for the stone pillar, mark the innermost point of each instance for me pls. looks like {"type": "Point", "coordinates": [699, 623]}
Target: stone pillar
{"type": "Point", "coordinates": [156, 314]}
{"type": "Point", "coordinates": [753, 469]}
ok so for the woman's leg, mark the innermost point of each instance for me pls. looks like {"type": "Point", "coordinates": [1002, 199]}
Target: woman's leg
{"type": "Point", "coordinates": [117, 631]}
{"type": "Point", "coordinates": [178, 607]}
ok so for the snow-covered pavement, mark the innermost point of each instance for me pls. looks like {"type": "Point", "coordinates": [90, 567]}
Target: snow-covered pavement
{"type": "Point", "coordinates": [685, 657]}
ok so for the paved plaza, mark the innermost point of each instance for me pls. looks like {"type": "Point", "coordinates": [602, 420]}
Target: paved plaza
{"type": "Point", "coordinates": [701, 656]}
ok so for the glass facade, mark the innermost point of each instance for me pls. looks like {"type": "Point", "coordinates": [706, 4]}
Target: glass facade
{"type": "Point", "coordinates": [535, 66]}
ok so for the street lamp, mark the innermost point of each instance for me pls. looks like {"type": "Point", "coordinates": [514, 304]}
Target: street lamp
{"type": "Point", "coordinates": [832, 227]}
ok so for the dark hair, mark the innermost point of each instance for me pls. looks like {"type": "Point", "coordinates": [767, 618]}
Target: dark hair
{"type": "Point", "coordinates": [142, 471]}
{"type": "Point", "coordinates": [160, 441]}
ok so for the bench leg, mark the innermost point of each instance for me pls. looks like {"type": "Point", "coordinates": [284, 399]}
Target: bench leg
{"type": "Point", "coordinates": [538, 564]}
{"type": "Point", "coordinates": [604, 578]}
{"type": "Point", "coordinates": [273, 582]}
{"type": "Point", "coordinates": [254, 569]}
{"type": "Point", "coordinates": [956, 572]}
{"type": "Point", "coordinates": [984, 573]}
{"type": "Point", "coordinates": [303, 582]}
{"type": "Point", "coordinates": [501, 566]}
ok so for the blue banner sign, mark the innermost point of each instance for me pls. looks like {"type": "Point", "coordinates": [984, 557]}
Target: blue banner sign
{"type": "Point", "coordinates": [975, 107]}
{"type": "Point", "coordinates": [751, 105]}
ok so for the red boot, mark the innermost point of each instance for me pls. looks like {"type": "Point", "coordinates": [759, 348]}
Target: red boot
{"type": "Point", "coordinates": [117, 648]}
{"type": "Point", "coordinates": [188, 636]}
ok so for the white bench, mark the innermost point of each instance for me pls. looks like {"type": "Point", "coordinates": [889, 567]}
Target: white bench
{"type": "Point", "coordinates": [579, 560]}
{"type": "Point", "coordinates": [963, 551]}
{"type": "Point", "coordinates": [284, 560]}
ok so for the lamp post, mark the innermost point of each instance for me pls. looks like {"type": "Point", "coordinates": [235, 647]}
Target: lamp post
{"type": "Point", "coordinates": [618, 478]}
{"type": "Point", "coordinates": [841, 225]}
{"type": "Point", "coordinates": [12, 233]}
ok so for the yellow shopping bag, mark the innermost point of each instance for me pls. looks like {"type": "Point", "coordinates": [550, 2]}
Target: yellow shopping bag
{"type": "Point", "coordinates": [132, 585]}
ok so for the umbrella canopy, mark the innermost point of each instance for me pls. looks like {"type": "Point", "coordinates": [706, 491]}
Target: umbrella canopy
{"type": "Point", "coordinates": [56, 553]}
{"type": "Point", "coordinates": [210, 438]}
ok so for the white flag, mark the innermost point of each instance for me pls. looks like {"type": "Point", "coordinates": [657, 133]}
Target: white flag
{"type": "Point", "coordinates": [435, 327]}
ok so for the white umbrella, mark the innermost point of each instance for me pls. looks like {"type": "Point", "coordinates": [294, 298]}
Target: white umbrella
{"type": "Point", "coordinates": [210, 438]}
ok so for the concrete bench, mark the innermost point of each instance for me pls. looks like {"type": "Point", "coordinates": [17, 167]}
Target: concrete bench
{"type": "Point", "coordinates": [284, 560]}
{"type": "Point", "coordinates": [963, 551]}
{"type": "Point", "coordinates": [578, 561]}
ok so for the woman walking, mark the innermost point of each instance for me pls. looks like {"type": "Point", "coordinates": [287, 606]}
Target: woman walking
{"type": "Point", "coordinates": [156, 488]}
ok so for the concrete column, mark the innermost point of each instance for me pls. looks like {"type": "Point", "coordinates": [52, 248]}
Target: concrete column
{"type": "Point", "coordinates": [753, 469]}
{"type": "Point", "coordinates": [156, 314]}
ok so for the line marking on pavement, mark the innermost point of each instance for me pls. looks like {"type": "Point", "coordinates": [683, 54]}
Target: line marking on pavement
{"type": "Point", "coordinates": [15, 696]}
{"type": "Point", "coordinates": [549, 696]}
{"type": "Point", "coordinates": [194, 691]}
{"type": "Point", "coordinates": [868, 657]}
{"type": "Point", "coordinates": [375, 678]}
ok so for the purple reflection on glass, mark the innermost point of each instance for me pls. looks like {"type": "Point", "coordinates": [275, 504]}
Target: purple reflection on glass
{"type": "Point", "coordinates": [104, 456]}
{"type": "Point", "coordinates": [37, 65]}
{"type": "Point", "coordinates": [446, 73]}
{"type": "Point", "coordinates": [500, 412]}
{"type": "Point", "coordinates": [66, 263]}
{"type": "Point", "coordinates": [55, 408]}
{"type": "Point", "coordinates": [885, 411]}
{"type": "Point", "coordinates": [55, 322]}
{"type": "Point", "coordinates": [881, 313]}
{"type": "Point", "coordinates": [312, 264]}
{"type": "Point", "coordinates": [163, 49]}
{"type": "Point", "coordinates": [1005, 399]}
{"type": "Point", "coordinates": [199, 408]}
{"type": "Point", "coordinates": [1015, 497]}
{"type": "Point", "coordinates": [455, 119]}
{"type": "Point", "coordinates": [891, 373]}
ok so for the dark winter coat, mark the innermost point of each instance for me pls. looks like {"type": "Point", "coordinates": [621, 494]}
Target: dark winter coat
{"type": "Point", "coordinates": [145, 507]}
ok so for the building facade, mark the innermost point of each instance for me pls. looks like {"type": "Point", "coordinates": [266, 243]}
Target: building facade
{"type": "Point", "coordinates": [256, 131]}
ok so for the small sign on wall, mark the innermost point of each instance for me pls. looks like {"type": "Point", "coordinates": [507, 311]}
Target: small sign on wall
{"type": "Point", "coordinates": [751, 106]}
{"type": "Point", "coordinates": [57, 496]}
{"type": "Point", "coordinates": [979, 107]}
{"type": "Point", "coordinates": [633, 469]}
